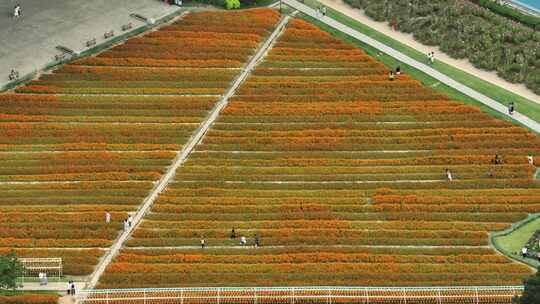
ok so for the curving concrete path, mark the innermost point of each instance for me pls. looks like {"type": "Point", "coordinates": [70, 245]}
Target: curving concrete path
{"type": "Point", "coordinates": [533, 125]}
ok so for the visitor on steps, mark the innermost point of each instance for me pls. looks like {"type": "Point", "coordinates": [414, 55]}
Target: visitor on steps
{"type": "Point", "coordinates": [233, 234]}
{"type": "Point", "coordinates": [72, 288]}
{"type": "Point", "coordinates": [243, 241]}
{"type": "Point", "coordinates": [203, 243]}
{"type": "Point", "coordinates": [107, 217]}
{"type": "Point", "coordinates": [530, 159]}
{"type": "Point", "coordinates": [257, 241]}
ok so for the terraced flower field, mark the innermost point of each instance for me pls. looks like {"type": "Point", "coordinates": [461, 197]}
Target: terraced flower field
{"type": "Point", "coordinates": [341, 174]}
{"type": "Point", "coordinates": [96, 134]}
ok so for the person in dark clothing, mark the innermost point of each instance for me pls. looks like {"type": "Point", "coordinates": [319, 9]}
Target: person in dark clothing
{"type": "Point", "coordinates": [233, 234]}
{"type": "Point", "coordinates": [511, 108]}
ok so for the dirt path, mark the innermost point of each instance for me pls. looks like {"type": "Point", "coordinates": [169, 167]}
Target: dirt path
{"type": "Point", "coordinates": [409, 40]}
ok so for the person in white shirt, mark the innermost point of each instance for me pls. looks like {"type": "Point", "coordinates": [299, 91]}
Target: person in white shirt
{"type": "Point", "coordinates": [107, 217]}
{"type": "Point", "coordinates": [524, 252]}
{"type": "Point", "coordinates": [243, 241]}
{"type": "Point", "coordinates": [448, 175]}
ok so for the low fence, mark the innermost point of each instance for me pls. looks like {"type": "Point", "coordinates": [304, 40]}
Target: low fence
{"type": "Point", "coordinates": [297, 295]}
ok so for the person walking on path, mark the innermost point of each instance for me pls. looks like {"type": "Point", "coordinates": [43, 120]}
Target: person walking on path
{"type": "Point", "coordinates": [432, 58]}
{"type": "Point", "coordinates": [203, 243]}
{"type": "Point", "coordinates": [17, 12]}
{"type": "Point", "coordinates": [130, 220]}
{"type": "Point", "coordinates": [257, 241]}
{"type": "Point", "coordinates": [107, 217]}
{"type": "Point", "coordinates": [429, 58]}
{"type": "Point", "coordinates": [69, 288]}
{"type": "Point", "coordinates": [524, 252]}
{"type": "Point", "coordinates": [126, 225]}
{"type": "Point", "coordinates": [448, 175]}
{"type": "Point", "coordinates": [530, 159]}
{"type": "Point", "coordinates": [72, 288]}
{"type": "Point", "coordinates": [233, 234]}
{"type": "Point", "coordinates": [243, 241]}
{"type": "Point", "coordinates": [323, 10]}
{"type": "Point", "coordinates": [511, 108]}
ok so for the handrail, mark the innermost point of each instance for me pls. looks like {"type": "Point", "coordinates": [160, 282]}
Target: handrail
{"type": "Point", "coordinates": [314, 294]}
{"type": "Point", "coordinates": [305, 288]}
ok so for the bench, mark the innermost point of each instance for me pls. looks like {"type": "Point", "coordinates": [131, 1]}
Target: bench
{"type": "Point", "coordinates": [126, 27]}
{"type": "Point", "coordinates": [108, 34]}
{"type": "Point", "coordinates": [91, 42]}
{"type": "Point", "coordinates": [60, 57]}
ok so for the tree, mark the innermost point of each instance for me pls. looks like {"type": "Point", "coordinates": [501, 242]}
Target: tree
{"type": "Point", "coordinates": [10, 269]}
{"type": "Point", "coordinates": [531, 294]}
{"type": "Point", "coordinates": [232, 4]}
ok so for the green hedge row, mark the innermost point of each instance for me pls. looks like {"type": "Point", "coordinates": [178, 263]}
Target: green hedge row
{"type": "Point", "coordinates": [465, 30]}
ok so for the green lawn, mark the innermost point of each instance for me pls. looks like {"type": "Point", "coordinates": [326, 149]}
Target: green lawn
{"type": "Point", "coordinates": [497, 93]}
{"type": "Point", "coordinates": [511, 243]}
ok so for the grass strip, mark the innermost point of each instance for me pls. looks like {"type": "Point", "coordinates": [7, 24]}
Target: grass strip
{"type": "Point", "coordinates": [523, 105]}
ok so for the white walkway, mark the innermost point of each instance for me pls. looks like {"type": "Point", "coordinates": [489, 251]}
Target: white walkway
{"type": "Point", "coordinates": [183, 154]}
{"type": "Point", "coordinates": [416, 64]}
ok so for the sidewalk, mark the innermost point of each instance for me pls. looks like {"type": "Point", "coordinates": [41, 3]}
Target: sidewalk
{"type": "Point", "coordinates": [408, 39]}
{"type": "Point", "coordinates": [51, 286]}
{"type": "Point", "coordinates": [28, 43]}
{"type": "Point", "coordinates": [533, 125]}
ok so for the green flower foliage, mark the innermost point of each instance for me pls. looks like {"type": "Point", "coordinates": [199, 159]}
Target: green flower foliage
{"type": "Point", "coordinates": [465, 30]}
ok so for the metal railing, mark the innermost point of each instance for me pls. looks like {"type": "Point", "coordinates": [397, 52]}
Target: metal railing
{"type": "Point", "coordinates": [53, 267]}
{"type": "Point", "coordinates": [297, 295]}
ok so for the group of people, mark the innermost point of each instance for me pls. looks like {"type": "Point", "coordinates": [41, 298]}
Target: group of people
{"type": "Point", "coordinates": [128, 222]}
{"type": "Point", "coordinates": [71, 288]}
{"type": "Point", "coordinates": [431, 58]}
{"type": "Point", "coordinates": [392, 75]}
{"type": "Point", "coordinates": [17, 11]}
{"type": "Point", "coordinates": [13, 75]}
{"type": "Point", "coordinates": [321, 11]}
{"type": "Point", "coordinates": [243, 240]}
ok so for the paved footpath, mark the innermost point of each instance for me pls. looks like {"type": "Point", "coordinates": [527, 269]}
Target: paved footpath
{"type": "Point", "coordinates": [28, 43]}
{"type": "Point", "coordinates": [183, 154]}
{"type": "Point", "coordinates": [416, 64]}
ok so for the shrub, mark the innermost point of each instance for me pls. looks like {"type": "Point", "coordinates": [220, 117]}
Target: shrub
{"type": "Point", "coordinates": [232, 4]}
